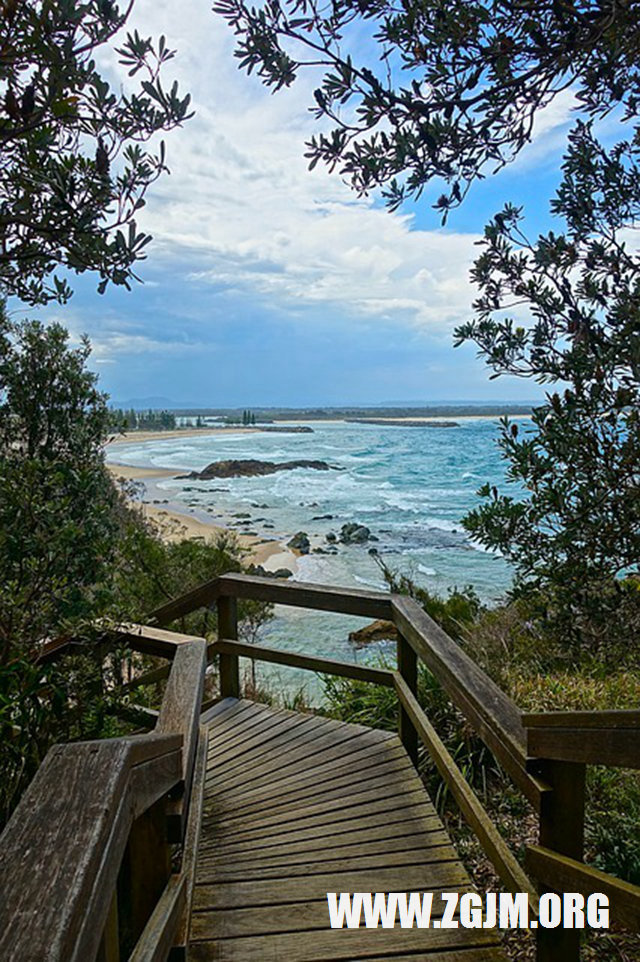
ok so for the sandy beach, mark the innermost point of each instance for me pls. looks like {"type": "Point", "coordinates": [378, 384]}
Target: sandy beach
{"type": "Point", "coordinates": [133, 437]}
{"type": "Point", "coordinates": [174, 525]}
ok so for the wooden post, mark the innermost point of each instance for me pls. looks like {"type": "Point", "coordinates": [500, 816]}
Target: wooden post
{"type": "Point", "coordinates": [408, 668]}
{"type": "Point", "coordinates": [229, 666]}
{"type": "Point", "coordinates": [109, 950]}
{"type": "Point", "coordinates": [145, 872]}
{"type": "Point", "coordinates": [562, 830]}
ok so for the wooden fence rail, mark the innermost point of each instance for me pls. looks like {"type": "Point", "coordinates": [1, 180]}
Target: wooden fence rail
{"type": "Point", "coordinates": [98, 818]}
{"type": "Point", "coordinates": [126, 799]}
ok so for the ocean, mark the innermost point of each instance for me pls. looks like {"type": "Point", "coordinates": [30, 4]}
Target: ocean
{"type": "Point", "coordinates": [409, 485]}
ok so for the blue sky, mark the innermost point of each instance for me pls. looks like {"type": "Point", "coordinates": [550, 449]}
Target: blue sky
{"type": "Point", "coordinates": [267, 284]}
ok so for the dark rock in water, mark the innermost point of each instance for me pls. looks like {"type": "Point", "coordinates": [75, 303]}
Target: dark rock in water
{"type": "Point", "coordinates": [285, 429]}
{"type": "Point", "coordinates": [331, 537]}
{"type": "Point", "coordinates": [300, 542]}
{"type": "Point", "coordinates": [319, 551]}
{"type": "Point", "coordinates": [241, 514]}
{"type": "Point", "coordinates": [372, 551]}
{"type": "Point", "coordinates": [323, 517]}
{"type": "Point", "coordinates": [353, 533]}
{"type": "Point", "coordinates": [269, 525]}
{"type": "Point", "coordinates": [376, 631]}
{"type": "Point", "coordinates": [252, 468]}
{"type": "Point", "coordinates": [260, 572]}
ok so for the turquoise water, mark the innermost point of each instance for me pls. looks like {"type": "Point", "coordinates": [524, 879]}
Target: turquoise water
{"type": "Point", "coordinates": [410, 486]}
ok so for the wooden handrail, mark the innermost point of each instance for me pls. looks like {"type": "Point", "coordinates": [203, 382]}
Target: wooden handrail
{"type": "Point", "coordinates": [504, 862]}
{"type": "Point", "coordinates": [180, 712]}
{"type": "Point", "coordinates": [568, 875]}
{"type": "Point", "coordinates": [348, 601]}
{"type": "Point", "coordinates": [323, 666]}
{"type": "Point", "coordinates": [62, 850]}
{"type": "Point", "coordinates": [495, 718]}
{"type": "Point", "coordinates": [592, 737]}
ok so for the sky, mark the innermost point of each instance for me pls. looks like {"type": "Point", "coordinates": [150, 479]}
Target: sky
{"type": "Point", "coordinates": [268, 284]}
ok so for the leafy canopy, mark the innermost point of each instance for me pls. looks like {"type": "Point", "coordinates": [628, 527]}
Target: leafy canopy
{"type": "Point", "coordinates": [74, 169]}
{"type": "Point", "coordinates": [59, 509]}
{"type": "Point", "coordinates": [445, 91]}
{"type": "Point", "coordinates": [440, 89]}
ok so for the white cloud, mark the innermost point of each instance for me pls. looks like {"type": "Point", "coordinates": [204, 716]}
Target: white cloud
{"type": "Point", "coordinates": [112, 338]}
{"type": "Point", "coordinates": [242, 210]}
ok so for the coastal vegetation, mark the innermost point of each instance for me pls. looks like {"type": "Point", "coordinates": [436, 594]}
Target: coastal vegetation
{"type": "Point", "coordinates": [75, 169]}
{"type": "Point", "coordinates": [150, 420]}
{"type": "Point", "coordinates": [76, 555]}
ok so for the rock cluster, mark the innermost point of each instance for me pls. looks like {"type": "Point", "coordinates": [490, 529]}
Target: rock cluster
{"type": "Point", "coordinates": [300, 542]}
{"type": "Point", "coordinates": [353, 533]}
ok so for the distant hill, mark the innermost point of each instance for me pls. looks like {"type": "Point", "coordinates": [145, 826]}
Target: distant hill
{"type": "Point", "coordinates": [152, 404]}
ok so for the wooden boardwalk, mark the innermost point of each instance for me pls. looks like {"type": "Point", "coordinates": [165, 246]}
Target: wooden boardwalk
{"type": "Point", "coordinates": [297, 805]}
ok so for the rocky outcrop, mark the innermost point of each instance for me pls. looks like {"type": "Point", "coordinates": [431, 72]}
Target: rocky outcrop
{"type": "Point", "coordinates": [376, 631]}
{"type": "Point", "coordinates": [353, 533]}
{"type": "Point", "coordinates": [300, 542]}
{"type": "Point", "coordinates": [252, 468]}
{"type": "Point", "coordinates": [284, 429]}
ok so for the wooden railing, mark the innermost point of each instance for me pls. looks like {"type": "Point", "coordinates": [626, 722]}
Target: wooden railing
{"type": "Point", "coordinates": [544, 755]}
{"type": "Point", "coordinates": [87, 849]}
{"type": "Point", "coordinates": [85, 860]}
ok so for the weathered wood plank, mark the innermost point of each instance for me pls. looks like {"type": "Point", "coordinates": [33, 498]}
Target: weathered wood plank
{"type": "Point", "coordinates": [226, 871]}
{"type": "Point", "coordinates": [563, 874]}
{"type": "Point", "coordinates": [191, 843]}
{"type": "Point", "coordinates": [407, 822]}
{"type": "Point", "coordinates": [326, 748]}
{"type": "Point", "coordinates": [70, 844]}
{"type": "Point", "coordinates": [346, 601]}
{"type": "Point", "coordinates": [150, 640]}
{"type": "Point", "coordinates": [155, 943]}
{"type": "Point", "coordinates": [255, 738]}
{"type": "Point", "coordinates": [496, 719]}
{"type": "Point", "coordinates": [290, 796]}
{"type": "Point", "coordinates": [326, 666]}
{"type": "Point", "coordinates": [607, 746]}
{"type": "Point", "coordinates": [228, 664]}
{"type": "Point", "coordinates": [621, 718]}
{"type": "Point", "coordinates": [333, 808]}
{"type": "Point", "coordinates": [308, 916]}
{"type": "Point", "coordinates": [317, 852]}
{"type": "Point", "coordinates": [369, 798]}
{"type": "Point", "coordinates": [180, 714]}
{"type": "Point", "coordinates": [314, 775]}
{"type": "Point", "coordinates": [345, 945]}
{"type": "Point", "coordinates": [430, 877]}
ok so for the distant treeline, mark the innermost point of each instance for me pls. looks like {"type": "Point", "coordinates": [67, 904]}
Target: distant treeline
{"type": "Point", "coordinates": [235, 415]}
{"type": "Point", "coordinates": [132, 420]}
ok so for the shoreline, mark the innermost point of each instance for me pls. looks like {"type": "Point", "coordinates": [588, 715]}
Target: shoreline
{"type": "Point", "coordinates": [139, 436]}
{"type": "Point", "coordinates": [175, 433]}
{"type": "Point", "coordinates": [175, 523]}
